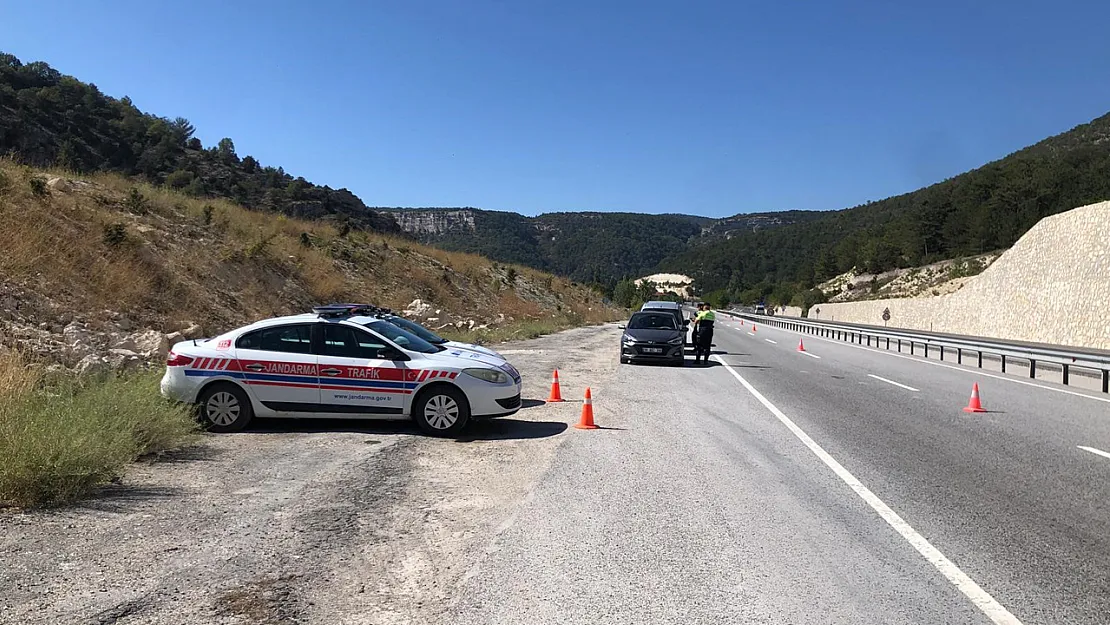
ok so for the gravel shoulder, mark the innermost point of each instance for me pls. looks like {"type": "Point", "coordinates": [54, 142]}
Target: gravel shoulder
{"type": "Point", "coordinates": [295, 522]}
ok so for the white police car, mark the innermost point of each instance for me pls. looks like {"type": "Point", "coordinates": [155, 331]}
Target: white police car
{"type": "Point", "coordinates": [415, 328]}
{"type": "Point", "coordinates": [339, 361]}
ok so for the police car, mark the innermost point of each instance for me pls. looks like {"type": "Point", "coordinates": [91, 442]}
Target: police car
{"type": "Point", "coordinates": [338, 361]}
{"type": "Point", "coordinates": [415, 328]}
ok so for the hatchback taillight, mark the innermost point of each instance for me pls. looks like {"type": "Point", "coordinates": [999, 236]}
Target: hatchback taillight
{"type": "Point", "coordinates": [177, 360]}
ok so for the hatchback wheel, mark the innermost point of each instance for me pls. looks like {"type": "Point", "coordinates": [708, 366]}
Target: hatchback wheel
{"type": "Point", "coordinates": [225, 408]}
{"type": "Point", "coordinates": [441, 411]}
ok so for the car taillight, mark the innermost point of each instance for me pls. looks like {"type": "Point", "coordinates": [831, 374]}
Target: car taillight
{"type": "Point", "coordinates": [177, 360]}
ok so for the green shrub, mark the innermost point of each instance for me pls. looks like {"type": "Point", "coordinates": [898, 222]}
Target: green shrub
{"type": "Point", "coordinates": [259, 247]}
{"type": "Point", "coordinates": [179, 179]}
{"type": "Point", "coordinates": [135, 202]}
{"type": "Point", "coordinates": [38, 187]}
{"type": "Point", "coordinates": [60, 443]}
{"type": "Point", "coordinates": [207, 214]}
{"type": "Point", "coordinates": [115, 234]}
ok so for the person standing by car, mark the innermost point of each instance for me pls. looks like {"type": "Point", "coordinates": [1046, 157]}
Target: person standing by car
{"type": "Point", "coordinates": [704, 329]}
{"type": "Point", "coordinates": [694, 328]}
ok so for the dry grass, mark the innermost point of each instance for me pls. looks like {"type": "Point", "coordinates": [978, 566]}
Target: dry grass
{"type": "Point", "coordinates": [175, 264]}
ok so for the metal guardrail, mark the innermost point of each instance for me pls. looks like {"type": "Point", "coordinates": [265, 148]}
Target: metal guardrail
{"type": "Point", "coordinates": [1067, 358]}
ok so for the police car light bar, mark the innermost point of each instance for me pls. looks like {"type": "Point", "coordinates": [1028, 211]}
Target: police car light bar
{"type": "Point", "coordinates": [348, 310]}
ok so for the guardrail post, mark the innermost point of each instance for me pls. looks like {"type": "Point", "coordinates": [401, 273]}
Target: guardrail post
{"type": "Point", "coordinates": [1106, 380]}
{"type": "Point", "coordinates": [1066, 372]}
{"type": "Point", "coordinates": [1003, 363]}
{"type": "Point", "coordinates": [980, 360]}
{"type": "Point", "coordinates": [942, 352]}
{"type": "Point", "coordinates": [1032, 369]}
{"type": "Point", "coordinates": [888, 342]}
{"type": "Point", "coordinates": [959, 356]}
{"type": "Point", "coordinates": [926, 350]}
{"type": "Point", "coordinates": [899, 346]}
{"type": "Point", "coordinates": [911, 348]}
{"type": "Point", "coordinates": [869, 340]}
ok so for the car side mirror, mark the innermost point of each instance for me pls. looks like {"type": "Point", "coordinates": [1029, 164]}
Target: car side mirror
{"type": "Point", "coordinates": [622, 327]}
{"type": "Point", "coordinates": [395, 355]}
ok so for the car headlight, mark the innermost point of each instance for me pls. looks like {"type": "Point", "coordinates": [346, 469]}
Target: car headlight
{"type": "Point", "coordinates": [627, 340]}
{"type": "Point", "coordinates": [493, 376]}
{"type": "Point", "coordinates": [678, 340]}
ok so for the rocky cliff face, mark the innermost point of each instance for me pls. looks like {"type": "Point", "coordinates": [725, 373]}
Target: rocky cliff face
{"type": "Point", "coordinates": [423, 223]}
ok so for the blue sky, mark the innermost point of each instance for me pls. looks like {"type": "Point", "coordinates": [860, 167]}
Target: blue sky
{"type": "Point", "coordinates": [701, 107]}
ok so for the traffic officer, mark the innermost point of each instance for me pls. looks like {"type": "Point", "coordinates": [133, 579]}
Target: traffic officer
{"type": "Point", "coordinates": [704, 325]}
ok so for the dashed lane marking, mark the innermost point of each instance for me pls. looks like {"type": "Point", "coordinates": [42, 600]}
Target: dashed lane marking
{"type": "Point", "coordinates": [1098, 452]}
{"type": "Point", "coordinates": [882, 379]}
{"type": "Point", "coordinates": [976, 371]}
{"type": "Point", "coordinates": [979, 597]}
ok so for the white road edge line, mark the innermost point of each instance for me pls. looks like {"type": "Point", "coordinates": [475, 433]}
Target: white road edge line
{"type": "Point", "coordinates": [811, 355]}
{"type": "Point", "coordinates": [981, 598]}
{"type": "Point", "coordinates": [770, 341]}
{"type": "Point", "coordinates": [1094, 451]}
{"type": "Point", "coordinates": [751, 333]}
{"type": "Point", "coordinates": [975, 371]}
{"type": "Point", "coordinates": [908, 388]}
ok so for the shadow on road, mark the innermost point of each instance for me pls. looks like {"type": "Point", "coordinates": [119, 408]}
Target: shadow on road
{"type": "Point", "coordinates": [510, 429]}
{"type": "Point", "coordinates": [532, 403]}
{"type": "Point", "coordinates": [477, 430]}
{"type": "Point", "coordinates": [690, 364]}
{"type": "Point", "coordinates": [316, 426]}
{"type": "Point", "coordinates": [122, 497]}
{"type": "Point", "coordinates": [195, 453]}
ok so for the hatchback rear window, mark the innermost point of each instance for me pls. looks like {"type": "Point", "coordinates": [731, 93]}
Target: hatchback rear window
{"type": "Point", "coordinates": [656, 321]}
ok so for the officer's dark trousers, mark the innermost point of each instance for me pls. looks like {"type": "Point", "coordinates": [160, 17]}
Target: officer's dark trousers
{"type": "Point", "coordinates": [704, 343]}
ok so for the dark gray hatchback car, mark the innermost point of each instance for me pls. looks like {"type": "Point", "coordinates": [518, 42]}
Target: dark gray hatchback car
{"type": "Point", "coordinates": [653, 336]}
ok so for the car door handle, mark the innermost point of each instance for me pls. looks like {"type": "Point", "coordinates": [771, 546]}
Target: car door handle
{"type": "Point", "coordinates": [254, 367]}
{"type": "Point", "coordinates": [331, 371]}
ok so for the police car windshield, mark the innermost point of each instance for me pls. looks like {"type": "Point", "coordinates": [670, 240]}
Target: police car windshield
{"type": "Point", "coordinates": [403, 339]}
{"type": "Point", "coordinates": [415, 328]}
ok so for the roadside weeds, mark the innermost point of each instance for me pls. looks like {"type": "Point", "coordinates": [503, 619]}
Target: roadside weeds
{"type": "Point", "coordinates": [61, 439]}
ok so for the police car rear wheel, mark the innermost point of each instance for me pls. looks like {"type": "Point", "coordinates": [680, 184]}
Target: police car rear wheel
{"type": "Point", "coordinates": [442, 411]}
{"type": "Point", "coordinates": [225, 408]}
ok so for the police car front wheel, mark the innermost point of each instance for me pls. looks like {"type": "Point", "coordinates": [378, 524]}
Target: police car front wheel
{"type": "Point", "coordinates": [224, 408]}
{"type": "Point", "coordinates": [441, 411]}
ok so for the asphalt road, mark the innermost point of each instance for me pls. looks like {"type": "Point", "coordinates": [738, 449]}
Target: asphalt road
{"type": "Point", "coordinates": [842, 486]}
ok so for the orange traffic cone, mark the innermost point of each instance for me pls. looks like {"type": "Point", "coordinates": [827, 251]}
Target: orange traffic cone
{"type": "Point", "coordinates": [741, 322]}
{"type": "Point", "coordinates": [753, 327]}
{"type": "Point", "coordinates": [974, 405]}
{"type": "Point", "coordinates": [587, 420]}
{"type": "Point", "coordinates": [801, 346]}
{"type": "Point", "coordinates": [556, 394]}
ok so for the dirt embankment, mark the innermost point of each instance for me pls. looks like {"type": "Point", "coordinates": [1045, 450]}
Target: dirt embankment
{"type": "Point", "coordinates": [101, 263]}
{"type": "Point", "coordinates": [939, 278]}
{"type": "Point", "coordinates": [300, 521]}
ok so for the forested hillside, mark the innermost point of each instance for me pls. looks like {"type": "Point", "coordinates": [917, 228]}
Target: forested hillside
{"type": "Point", "coordinates": [593, 247]}
{"type": "Point", "coordinates": [48, 119]}
{"type": "Point", "coordinates": [979, 211]}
